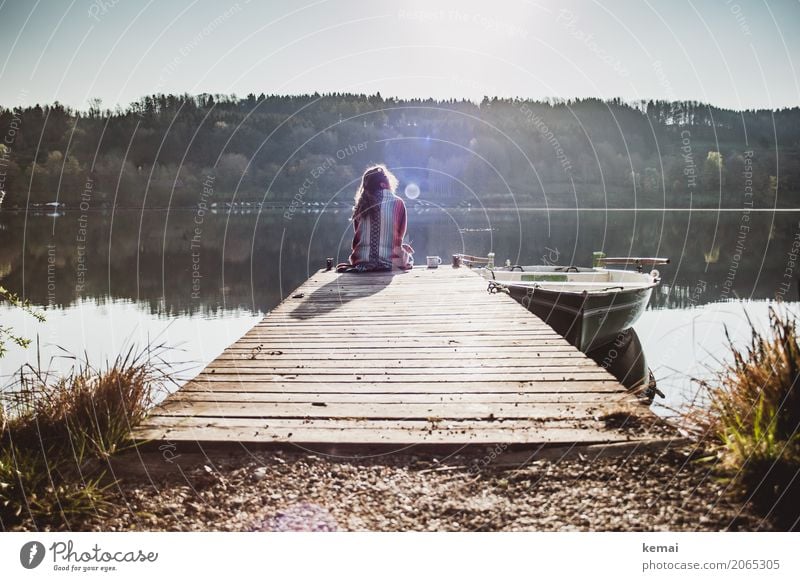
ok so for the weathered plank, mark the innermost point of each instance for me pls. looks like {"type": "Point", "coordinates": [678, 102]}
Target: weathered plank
{"type": "Point", "coordinates": [458, 410]}
{"type": "Point", "coordinates": [428, 380]}
{"type": "Point", "coordinates": [403, 342]}
{"type": "Point", "coordinates": [560, 349]}
{"type": "Point", "coordinates": [210, 383]}
{"type": "Point", "coordinates": [449, 352]}
{"type": "Point", "coordinates": [313, 397]}
{"type": "Point", "coordinates": [378, 431]}
{"type": "Point", "coordinates": [285, 364]}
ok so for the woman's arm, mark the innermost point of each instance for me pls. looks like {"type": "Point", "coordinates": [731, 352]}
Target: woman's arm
{"type": "Point", "coordinates": [356, 232]}
{"type": "Point", "coordinates": [402, 251]}
{"type": "Point", "coordinates": [400, 222]}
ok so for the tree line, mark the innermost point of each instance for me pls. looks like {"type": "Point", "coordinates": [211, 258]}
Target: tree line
{"type": "Point", "coordinates": [279, 149]}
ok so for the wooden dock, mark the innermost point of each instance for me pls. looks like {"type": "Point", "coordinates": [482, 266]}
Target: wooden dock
{"type": "Point", "coordinates": [425, 357]}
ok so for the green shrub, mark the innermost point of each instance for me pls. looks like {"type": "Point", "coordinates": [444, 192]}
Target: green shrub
{"type": "Point", "coordinates": [752, 419]}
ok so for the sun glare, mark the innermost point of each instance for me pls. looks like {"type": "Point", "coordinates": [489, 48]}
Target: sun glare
{"type": "Point", "coordinates": [412, 191]}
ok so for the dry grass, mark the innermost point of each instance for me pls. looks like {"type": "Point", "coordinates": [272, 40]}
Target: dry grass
{"type": "Point", "coordinates": [56, 435]}
{"type": "Point", "coordinates": [752, 419]}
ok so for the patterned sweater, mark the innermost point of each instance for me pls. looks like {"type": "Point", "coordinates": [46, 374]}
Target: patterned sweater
{"type": "Point", "coordinates": [379, 232]}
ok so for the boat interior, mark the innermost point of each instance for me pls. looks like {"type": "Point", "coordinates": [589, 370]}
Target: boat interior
{"type": "Point", "coordinates": [572, 278]}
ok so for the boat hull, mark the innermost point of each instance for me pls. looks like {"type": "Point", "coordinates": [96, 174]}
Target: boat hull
{"type": "Point", "coordinates": [592, 308]}
{"type": "Point", "coordinates": [588, 320]}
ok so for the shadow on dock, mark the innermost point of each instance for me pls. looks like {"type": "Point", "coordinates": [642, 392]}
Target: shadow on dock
{"type": "Point", "coordinates": [341, 290]}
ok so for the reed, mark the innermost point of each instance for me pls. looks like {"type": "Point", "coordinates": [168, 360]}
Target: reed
{"type": "Point", "coordinates": [57, 434]}
{"type": "Point", "coordinates": [751, 421]}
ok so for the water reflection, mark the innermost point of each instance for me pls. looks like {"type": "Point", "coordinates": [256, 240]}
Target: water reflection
{"type": "Point", "coordinates": [251, 260]}
{"type": "Point", "coordinates": [104, 275]}
{"type": "Point", "coordinates": [624, 358]}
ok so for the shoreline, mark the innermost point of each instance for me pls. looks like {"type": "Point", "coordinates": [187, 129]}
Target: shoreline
{"type": "Point", "coordinates": [251, 209]}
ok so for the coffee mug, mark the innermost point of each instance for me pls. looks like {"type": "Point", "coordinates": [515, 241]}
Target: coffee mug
{"type": "Point", "coordinates": [434, 261]}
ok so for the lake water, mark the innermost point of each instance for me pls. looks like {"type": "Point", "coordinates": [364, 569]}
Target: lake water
{"type": "Point", "coordinates": [198, 281]}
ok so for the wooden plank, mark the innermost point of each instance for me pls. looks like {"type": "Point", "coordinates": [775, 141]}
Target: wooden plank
{"type": "Point", "coordinates": [409, 329]}
{"type": "Point", "coordinates": [421, 293]}
{"type": "Point", "coordinates": [206, 383]}
{"type": "Point", "coordinates": [365, 425]}
{"type": "Point", "coordinates": [449, 352]}
{"type": "Point", "coordinates": [438, 357]}
{"type": "Point", "coordinates": [372, 320]}
{"type": "Point", "coordinates": [343, 436]}
{"type": "Point", "coordinates": [411, 326]}
{"type": "Point", "coordinates": [372, 432]}
{"type": "Point", "coordinates": [403, 398]}
{"type": "Point", "coordinates": [396, 314]}
{"type": "Point", "coordinates": [464, 334]}
{"type": "Point", "coordinates": [443, 410]}
{"type": "Point", "coordinates": [449, 307]}
{"type": "Point", "coordinates": [402, 367]}
{"type": "Point", "coordinates": [377, 303]}
{"type": "Point", "coordinates": [275, 364]}
{"type": "Point", "coordinates": [403, 342]}
{"type": "Point", "coordinates": [331, 376]}
{"type": "Point", "coordinates": [555, 350]}
{"type": "Point", "coordinates": [401, 313]}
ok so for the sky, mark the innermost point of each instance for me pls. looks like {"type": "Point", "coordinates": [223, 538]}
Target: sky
{"type": "Point", "coordinates": [740, 54]}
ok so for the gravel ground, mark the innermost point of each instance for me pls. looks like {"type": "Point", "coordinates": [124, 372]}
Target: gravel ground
{"type": "Point", "coordinates": [296, 491]}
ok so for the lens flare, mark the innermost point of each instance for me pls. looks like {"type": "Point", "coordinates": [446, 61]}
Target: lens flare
{"type": "Point", "coordinates": [412, 191]}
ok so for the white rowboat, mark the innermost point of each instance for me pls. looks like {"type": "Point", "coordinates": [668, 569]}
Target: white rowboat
{"type": "Point", "coordinates": [588, 306]}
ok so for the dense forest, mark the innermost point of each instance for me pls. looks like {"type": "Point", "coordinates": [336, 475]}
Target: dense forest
{"type": "Point", "coordinates": [180, 150]}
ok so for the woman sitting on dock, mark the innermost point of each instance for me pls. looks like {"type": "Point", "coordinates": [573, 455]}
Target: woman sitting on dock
{"type": "Point", "coordinates": [379, 219]}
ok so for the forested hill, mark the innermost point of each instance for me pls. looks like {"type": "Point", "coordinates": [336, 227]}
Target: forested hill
{"type": "Point", "coordinates": [178, 150]}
